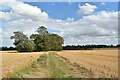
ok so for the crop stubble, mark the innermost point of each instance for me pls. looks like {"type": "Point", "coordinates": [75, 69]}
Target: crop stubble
{"type": "Point", "coordinates": [103, 63]}
{"type": "Point", "coordinates": [13, 61]}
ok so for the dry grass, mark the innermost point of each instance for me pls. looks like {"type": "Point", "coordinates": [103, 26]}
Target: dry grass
{"type": "Point", "coordinates": [13, 61]}
{"type": "Point", "coordinates": [103, 63]}
{"type": "Point", "coordinates": [0, 66]}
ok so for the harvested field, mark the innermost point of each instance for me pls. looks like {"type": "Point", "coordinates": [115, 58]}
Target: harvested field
{"type": "Point", "coordinates": [63, 64]}
{"type": "Point", "coordinates": [103, 63]}
{"type": "Point", "coordinates": [52, 66]}
{"type": "Point", "coordinates": [13, 61]}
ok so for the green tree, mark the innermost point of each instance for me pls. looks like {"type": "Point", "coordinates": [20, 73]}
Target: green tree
{"type": "Point", "coordinates": [56, 42]}
{"type": "Point", "coordinates": [45, 41]}
{"type": "Point", "coordinates": [18, 36]}
{"type": "Point", "coordinates": [42, 30]}
{"type": "Point", "coordinates": [25, 46]}
{"type": "Point", "coordinates": [22, 43]}
{"type": "Point", "coordinates": [41, 41]}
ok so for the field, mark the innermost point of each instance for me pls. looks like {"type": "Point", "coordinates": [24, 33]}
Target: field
{"type": "Point", "coordinates": [13, 61]}
{"type": "Point", "coordinates": [61, 64]}
{"type": "Point", "coordinates": [103, 63]}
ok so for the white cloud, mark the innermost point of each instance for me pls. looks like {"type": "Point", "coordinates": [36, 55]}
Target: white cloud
{"type": "Point", "coordinates": [29, 11]}
{"type": "Point", "coordinates": [86, 9]}
{"type": "Point", "coordinates": [7, 16]}
{"type": "Point", "coordinates": [98, 28]}
{"type": "Point", "coordinates": [103, 3]}
{"type": "Point", "coordinates": [101, 28]}
{"type": "Point", "coordinates": [19, 9]}
{"type": "Point", "coordinates": [70, 19]}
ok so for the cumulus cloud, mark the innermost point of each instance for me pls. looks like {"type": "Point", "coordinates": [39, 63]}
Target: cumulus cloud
{"type": "Point", "coordinates": [29, 11]}
{"type": "Point", "coordinates": [86, 9]}
{"type": "Point", "coordinates": [22, 10]}
{"type": "Point", "coordinates": [97, 28]}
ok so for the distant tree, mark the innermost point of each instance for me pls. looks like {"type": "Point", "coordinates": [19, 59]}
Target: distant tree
{"type": "Point", "coordinates": [19, 37]}
{"type": "Point", "coordinates": [25, 46]}
{"type": "Point", "coordinates": [22, 43]}
{"type": "Point", "coordinates": [45, 41]}
{"type": "Point", "coordinates": [42, 30]}
{"type": "Point", "coordinates": [56, 42]}
{"type": "Point", "coordinates": [87, 47]}
{"type": "Point", "coordinates": [41, 41]}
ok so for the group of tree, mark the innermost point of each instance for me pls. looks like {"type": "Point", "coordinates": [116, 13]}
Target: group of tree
{"type": "Point", "coordinates": [7, 48]}
{"type": "Point", "coordinates": [88, 47]}
{"type": "Point", "coordinates": [42, 41]}
{"type": "Point", "coordinates": [74, 47]}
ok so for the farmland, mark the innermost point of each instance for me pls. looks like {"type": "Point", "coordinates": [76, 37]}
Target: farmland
{"type": "Point", "coordinates": [62, 64]}
{"type": "Point", "coordinates": [103, 63]}
{"type": "Point", "coordinates": [13, 61]}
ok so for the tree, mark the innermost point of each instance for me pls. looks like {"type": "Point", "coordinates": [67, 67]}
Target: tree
{"type": "Point", "coordinates": [19, 37]}
{"type": "Point", "coordinates": [25, 46]}
{"type": "Point", "coordinates": [56, 42]}
{"type": "Point", "coordinates": [22, 43]}
{"type": "Point", "coordinates": [42, 30]}
{"type": "Point", "coordinates": [45, 41]}
{"type": "Point", "coordinates": [41, 41]}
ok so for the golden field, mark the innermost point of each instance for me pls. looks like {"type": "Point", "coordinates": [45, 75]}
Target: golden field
{"type": "Point", "coordinates": [13, 61]}
{"type": "Point", "coordinates": [103, 63]}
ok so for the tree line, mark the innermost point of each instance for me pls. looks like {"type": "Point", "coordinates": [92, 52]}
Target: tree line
{"type": "Point", "coordinates": [75, 47]}
{"type": "Point", "coordinates": [88, 47]}
{"type": "Point", "coordinates": [7, 48]}
{"type": "Point", "coordinates": [42, 41]}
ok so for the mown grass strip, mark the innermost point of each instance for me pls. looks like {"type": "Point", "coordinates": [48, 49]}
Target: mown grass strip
{"type": "Point", "coordinates": [55, 71]}
{"type": "Point", "coordinates": [58, 68]}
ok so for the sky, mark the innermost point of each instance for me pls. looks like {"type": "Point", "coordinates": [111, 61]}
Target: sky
{"type": "Point", "coordinates": [79, 23]}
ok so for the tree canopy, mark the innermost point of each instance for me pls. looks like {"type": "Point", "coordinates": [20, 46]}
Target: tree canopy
{"type": "Point", "coordinates": [22, 43]}
{"type": "Point", "coordinates": [42, 30]}
{"type": "Point", "coordinates": [43, 41]}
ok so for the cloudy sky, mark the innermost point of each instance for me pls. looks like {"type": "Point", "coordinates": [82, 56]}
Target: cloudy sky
{"type": "Point", "coordinates": [77, 22]}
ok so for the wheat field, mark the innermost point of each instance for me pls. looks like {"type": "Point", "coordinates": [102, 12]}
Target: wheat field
{"type": "Point", "coordinates": [103, 63]}
{"type": "Point", "coordinates": [13, 61]}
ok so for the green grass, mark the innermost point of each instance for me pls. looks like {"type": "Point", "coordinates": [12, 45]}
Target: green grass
{"type": "Point", "coordinates": [22, 72]}
{"type": "Point", "coordinates": [56, 67]}
{"type": "Point", "coordinates": [26, 70]}
{"type": "Point", "coordinates": [55, 71]}
{"type": "Point", "coordinates": [42, 58]}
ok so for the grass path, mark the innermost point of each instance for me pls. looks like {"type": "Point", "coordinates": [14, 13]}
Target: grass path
{"type": "Point", "coordinates": [53, 66]}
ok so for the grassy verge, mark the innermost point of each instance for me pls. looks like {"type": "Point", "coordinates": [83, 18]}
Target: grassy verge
{"type": "Point", "coordinates": [58, 68]}
{"type": "Point", "coordinates": [33, 66]}
{"type": "Point", "coordinates": [22, 72]}
{"type": "Point", "coordinates": [55, 71]}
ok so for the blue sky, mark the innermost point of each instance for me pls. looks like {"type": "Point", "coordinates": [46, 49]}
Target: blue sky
{"type": "Point", "coordinates": [64, 10]}
{"type": "Point", "coordinates": [79, 23]}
